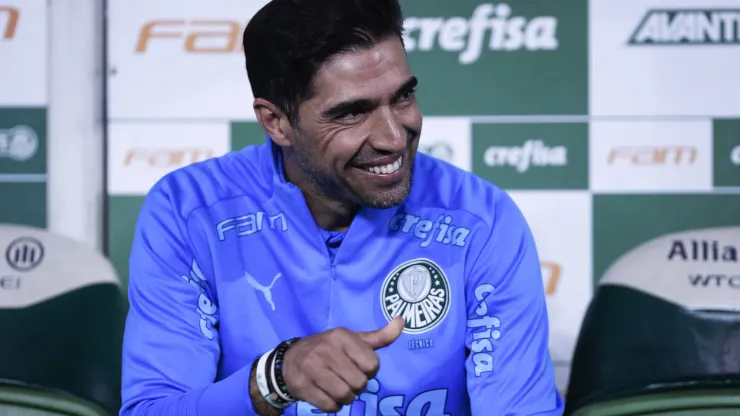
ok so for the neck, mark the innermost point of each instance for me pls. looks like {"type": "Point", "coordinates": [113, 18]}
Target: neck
{"type": "Point", "coordinates": [329, 213]}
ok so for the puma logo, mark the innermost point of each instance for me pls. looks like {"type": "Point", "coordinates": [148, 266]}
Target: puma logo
{"type": "Point", "coordinates": [266, 290]}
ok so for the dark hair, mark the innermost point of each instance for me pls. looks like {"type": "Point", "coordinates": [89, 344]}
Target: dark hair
{"type": "Point", "coordinates": [287, 41]}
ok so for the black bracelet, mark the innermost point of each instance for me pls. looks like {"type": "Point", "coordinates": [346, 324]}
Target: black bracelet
{"type": "Point", "coordinates": [273, 396]}
{"type": "Point", "coordinates": [276, 363]}
{"type": "Point", "coordinates": [269, 373]}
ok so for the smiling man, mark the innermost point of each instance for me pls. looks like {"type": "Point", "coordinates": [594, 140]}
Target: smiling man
{"type": "Point", "coordinates": [333, 268]}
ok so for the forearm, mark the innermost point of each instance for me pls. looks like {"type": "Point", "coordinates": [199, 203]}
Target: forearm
{"type": "Point", "coordinates": [232, 395]}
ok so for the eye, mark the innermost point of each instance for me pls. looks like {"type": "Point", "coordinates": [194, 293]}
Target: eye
{"type": "Point", "coordinates": [409, 95]}
{"type": "Point", "coordinates": [351, 115]}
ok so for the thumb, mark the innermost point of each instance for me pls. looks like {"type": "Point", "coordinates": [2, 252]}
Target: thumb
{"type": "Point", "coordinates": [385, 336]}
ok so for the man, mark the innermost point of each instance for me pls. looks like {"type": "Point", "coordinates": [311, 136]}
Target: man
{"type": "Point", "coordinates": [334, 268]}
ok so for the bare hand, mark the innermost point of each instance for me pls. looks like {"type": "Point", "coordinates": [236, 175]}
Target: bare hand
{"type": "Point", "coordinates": [330, 368]}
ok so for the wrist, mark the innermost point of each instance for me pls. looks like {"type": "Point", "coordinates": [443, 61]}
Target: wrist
{"type": "Point", "coordinates": [268, 371]}
{"type": "Point", "coordinates": [261, 406]}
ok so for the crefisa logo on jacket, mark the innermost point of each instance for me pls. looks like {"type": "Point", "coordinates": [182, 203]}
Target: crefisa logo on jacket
{"type": "Point", "coordinates": [417, 290]}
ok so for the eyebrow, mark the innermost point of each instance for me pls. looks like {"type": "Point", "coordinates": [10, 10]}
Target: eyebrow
{"type": "Point", "coordinates": [364, 104]}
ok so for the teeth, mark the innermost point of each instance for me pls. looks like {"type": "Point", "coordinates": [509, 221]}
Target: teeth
{"type": "Point", "coordinates": [386, 169]}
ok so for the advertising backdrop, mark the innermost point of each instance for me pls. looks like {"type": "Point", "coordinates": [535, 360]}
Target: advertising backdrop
{"type": "Point", "coordinates": [610, 123]}
{"type": "Point", "coordinates": [23, 103]}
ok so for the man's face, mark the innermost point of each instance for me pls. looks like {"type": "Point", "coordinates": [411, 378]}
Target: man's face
{"type": "Point", "coordinates": [357, 135]}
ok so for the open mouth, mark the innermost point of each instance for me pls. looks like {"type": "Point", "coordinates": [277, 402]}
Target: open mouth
{"type": "Point", "coordinates": [386, 169]}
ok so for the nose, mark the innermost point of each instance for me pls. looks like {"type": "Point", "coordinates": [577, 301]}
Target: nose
{"type": "Point", "coordinates": [390, 134]}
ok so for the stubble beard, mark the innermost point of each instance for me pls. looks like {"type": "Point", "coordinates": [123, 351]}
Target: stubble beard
{"type": "Point", "coordinates": [352, 192]}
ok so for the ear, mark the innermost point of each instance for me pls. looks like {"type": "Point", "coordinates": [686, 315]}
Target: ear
{"type": "Point", "coordinates": [274, 122]}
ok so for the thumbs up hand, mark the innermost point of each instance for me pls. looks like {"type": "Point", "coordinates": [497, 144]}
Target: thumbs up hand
{"type": "Point", "coordinates": [330, 368]}
{"type": "Point", "coordinates": [383, 337]}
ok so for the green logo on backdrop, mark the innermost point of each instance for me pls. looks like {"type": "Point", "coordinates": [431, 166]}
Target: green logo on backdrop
{"type": "Point", "coordinates": [440, 149]}
{"type": "Point", "coordinates": [490, 28]}
{"type": "Point", "coordinates": [532, 156]}
{"type": "Point", "coordinates": [18, 143]}
{"type": "Point", "coordinates": [23, 166]}
{"type": "Point", "coordinates": [726, 137]}
{"type": "Point", "coordinates": [499, 58]}
{"type": "Point", "coordinates": [23, 140]}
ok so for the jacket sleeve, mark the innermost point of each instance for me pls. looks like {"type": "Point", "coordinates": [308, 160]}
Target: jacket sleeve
{"type": "Point", "coordinates": [171, 342]}
{"type": "Point", "coordinates": [509, 369]}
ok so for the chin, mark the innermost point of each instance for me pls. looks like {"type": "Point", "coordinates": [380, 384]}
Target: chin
{"type": "Point", "coordinates": [387, 198]}
{"type": "Point", "coordinates": [379, 196]}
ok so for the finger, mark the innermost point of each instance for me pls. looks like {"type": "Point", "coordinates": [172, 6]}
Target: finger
{"type": "Point", "coordinates": [335, 387]}
{"type": "Point", "coordinates": [384, 336]}
{"type": "Point", "coordinates": [348, 371]}
{"type": "Point", "coordinates": [362, 355]}
{"type": "Point", "coordinates": [321, 400]}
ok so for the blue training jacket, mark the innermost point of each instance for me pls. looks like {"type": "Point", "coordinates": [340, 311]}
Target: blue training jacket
{"type": "Point", "coordinates": [227, 262]}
